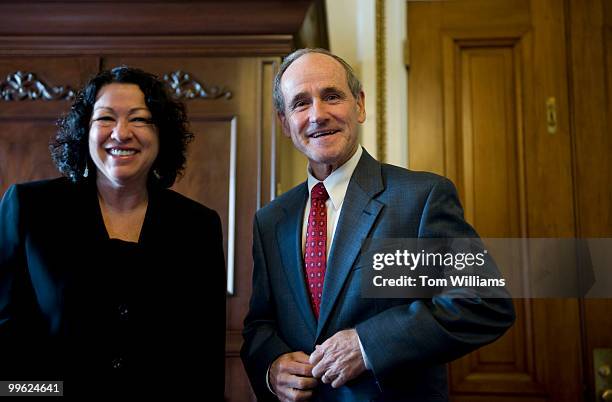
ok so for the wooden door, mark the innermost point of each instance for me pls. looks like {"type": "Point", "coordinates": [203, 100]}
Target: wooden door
{"type": "Point", "coordinates": [483, 78]}
{"type": "Point", "coordinates": [590, 27]}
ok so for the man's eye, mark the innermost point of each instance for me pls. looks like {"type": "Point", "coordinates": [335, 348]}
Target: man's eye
{"type": "Point", "coordinates": [332, 97]}
{"type": "Point", "coordinates": [299, 104]}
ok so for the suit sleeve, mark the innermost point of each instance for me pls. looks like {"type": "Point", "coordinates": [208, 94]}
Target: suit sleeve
{"type": "Point", "coordinates": [262, 345]}
{"type": "Point", "coordinates": [443, 328]}
{"type": "Point", "coordinates": [11, 259]}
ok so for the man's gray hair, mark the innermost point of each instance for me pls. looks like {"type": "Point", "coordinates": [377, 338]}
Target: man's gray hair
{"type": "Point", "coordinates": [277, 94]}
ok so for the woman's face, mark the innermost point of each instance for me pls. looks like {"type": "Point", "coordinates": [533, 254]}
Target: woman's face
{"type": "Point", "coordinates": [123, 141]}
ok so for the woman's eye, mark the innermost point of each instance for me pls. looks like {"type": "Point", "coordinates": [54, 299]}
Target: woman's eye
{"type": "Point", "coordinates": [141, 121]}
{"type": "Point", "coordinates": [105, 121]}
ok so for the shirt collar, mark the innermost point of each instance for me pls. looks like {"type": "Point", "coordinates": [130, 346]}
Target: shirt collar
{"type": "Point", "coordinates": [337, 182]}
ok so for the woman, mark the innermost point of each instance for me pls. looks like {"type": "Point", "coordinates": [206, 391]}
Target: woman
{"type": "Point", "coordinates": [109, 280]}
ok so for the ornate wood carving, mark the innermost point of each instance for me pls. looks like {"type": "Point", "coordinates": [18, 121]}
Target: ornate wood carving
{"type": "Point", "coordinates": [20, 86]}
{"type": "Point", "coordinates": [183, 86]}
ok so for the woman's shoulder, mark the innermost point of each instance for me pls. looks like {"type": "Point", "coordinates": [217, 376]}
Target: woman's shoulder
{"type": "Point", "coordinates": [42, 188]}
{"type": "Point", "coordinates": [42, 202]}
{"type": "Point", "coordinates": [46, 183]}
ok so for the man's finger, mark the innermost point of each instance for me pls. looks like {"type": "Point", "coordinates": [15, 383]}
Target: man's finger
{"type": "Point", "coordinates": [327, 378]}
{"type": "Point", "coordinates": [295, 363]}
{"type": "Point", "coordinates": [301, 357]}
{"type": "Point", "coordinates": [320, 368]}
{"type": "Point", "coordinates": [296, 368]}
{"type": "Point", "coordinates": [297, 395]}
{"type": "Point", "coordinates": [302, 383]}
{"type": "Point", "coordinates": [339, 381]}
{"type": "Point", "coordinates": [291, 370]}
{"type": "Point", "coordinates": [317, 355]}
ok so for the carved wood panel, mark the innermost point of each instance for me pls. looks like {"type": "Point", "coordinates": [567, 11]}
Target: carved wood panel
{"type": "Point", "coordinates": [485, 158]}
{"type": "Point", "coordinates": [27, 120]}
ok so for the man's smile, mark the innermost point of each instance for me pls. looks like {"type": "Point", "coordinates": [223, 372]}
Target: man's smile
{"type": "Point", "coordinates": [322, 133]}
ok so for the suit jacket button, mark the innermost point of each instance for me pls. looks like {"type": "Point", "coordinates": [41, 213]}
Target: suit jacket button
{"type": "Point", "coordinates": [117, 363]}
{"type": "Point", "coordinates": [123, 311]}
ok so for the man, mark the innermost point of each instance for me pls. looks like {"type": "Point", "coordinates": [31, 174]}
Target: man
{"type": "Point", "coordinates": [309, 335]}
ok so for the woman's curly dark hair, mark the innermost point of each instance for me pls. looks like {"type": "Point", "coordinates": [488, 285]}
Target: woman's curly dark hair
{"type": "Point", "coordinates": [70, 149]}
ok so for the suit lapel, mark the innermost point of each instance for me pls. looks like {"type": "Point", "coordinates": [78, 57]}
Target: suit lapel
{"type": "Point", "coordinates": [289, 238]}
{"type": "Point", "coordinates": [154, 219]}
{"type": "Point", "coordinates": [92, 221]}
{"type": "Point", "coordinates": [358, 215]}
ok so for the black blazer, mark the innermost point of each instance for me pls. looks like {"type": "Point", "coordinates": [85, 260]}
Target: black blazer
{"type": "Point", "coordinates": [108, 316]}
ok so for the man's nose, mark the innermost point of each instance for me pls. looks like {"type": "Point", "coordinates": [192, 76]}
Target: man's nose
{"type": "Point", "coordinates": [121, 132]}
{"type": "Point", "coordinates": [318, 112]}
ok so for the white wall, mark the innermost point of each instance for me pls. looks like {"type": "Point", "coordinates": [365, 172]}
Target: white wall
{"type": "Point", "coordinates": [397, 87]}
{"type": "Point", "coordinates": [352, 36]}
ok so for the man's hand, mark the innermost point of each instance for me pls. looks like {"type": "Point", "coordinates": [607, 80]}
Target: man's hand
{"type": "Point", "coordinates": [338, 359]}
{"type": "Point", "coordinates": [291, 377]}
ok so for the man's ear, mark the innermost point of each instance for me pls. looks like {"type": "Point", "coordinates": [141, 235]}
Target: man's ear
{"type": "Point", "coordinates": [361, 117]}
{"type": "Point", "coordinates": [284, 124]}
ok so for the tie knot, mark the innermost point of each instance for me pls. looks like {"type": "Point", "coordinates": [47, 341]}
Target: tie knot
{"type": "Point", "coordinates": [319, 192]}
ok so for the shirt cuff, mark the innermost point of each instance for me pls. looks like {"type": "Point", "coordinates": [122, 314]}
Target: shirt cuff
{"type": "Point", "coordinates": [268, 378]}
{"type": "Point", "coordinates": [363, 354]}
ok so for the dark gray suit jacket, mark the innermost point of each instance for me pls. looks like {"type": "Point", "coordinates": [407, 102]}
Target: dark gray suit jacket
{"type": "Point", "coordinates": [407, 341]}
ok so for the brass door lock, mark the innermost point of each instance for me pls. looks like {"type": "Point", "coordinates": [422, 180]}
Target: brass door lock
{"type": "Point", "coordinates": [602, 359]}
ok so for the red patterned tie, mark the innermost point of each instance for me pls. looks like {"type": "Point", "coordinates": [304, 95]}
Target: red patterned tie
{"type": "Point", "coordinates": [316, 244]}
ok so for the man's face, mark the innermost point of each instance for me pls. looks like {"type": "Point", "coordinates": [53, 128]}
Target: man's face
{"type": "Point", "coordinates": [321, 115]}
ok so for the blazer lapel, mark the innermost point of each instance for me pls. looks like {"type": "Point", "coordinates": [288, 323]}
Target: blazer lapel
{"type": "Point", "coordinates": [92, 220]}
{"type": "Point", "coordinates": [359, 212]}
{"type": "Point", "coordinates": [289, 238]}
{"type": "Point", "coordinates": [152, 232]}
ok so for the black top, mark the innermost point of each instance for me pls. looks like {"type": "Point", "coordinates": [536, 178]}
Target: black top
{"type": "Point", "coordinates": [118, 316]}
{"type": "Point", "coordinates": [105, 315]}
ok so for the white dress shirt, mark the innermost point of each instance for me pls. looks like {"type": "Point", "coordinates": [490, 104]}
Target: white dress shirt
{"type": "Point", "coordinates": [336, 185]}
